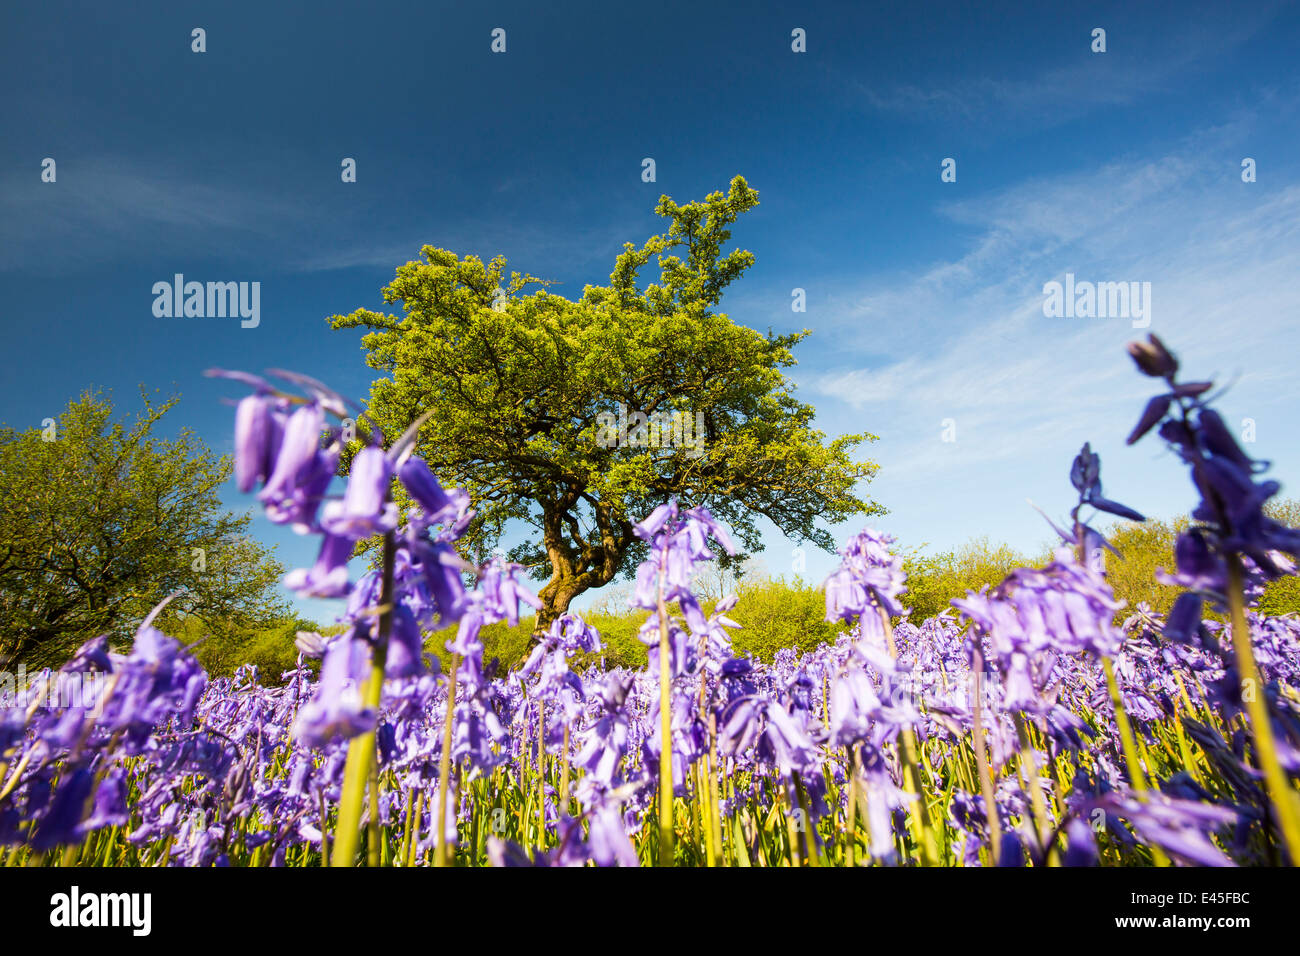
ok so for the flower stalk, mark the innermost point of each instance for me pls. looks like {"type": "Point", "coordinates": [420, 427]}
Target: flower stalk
{"type": "Point", "coordinates": [1281, 794]}
{"type": "Point", "coordinates": [361, 750]}
{"type": "Point", "coordinates": [442, 856]}
{"type": "Point", "coordinates": [666, 735]}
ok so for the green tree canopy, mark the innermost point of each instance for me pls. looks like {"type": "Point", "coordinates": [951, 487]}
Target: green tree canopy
{"type": "Point", "coordinates": [1144, 547]}
{"type": "Point", "coordinates": [528, 393]}
{"type": "Point", "coordinates": [101, 521]}
{"type": "Point", "coordinates": [1149, 546]}
{"type": "Point", "coordinates": [934, 580]}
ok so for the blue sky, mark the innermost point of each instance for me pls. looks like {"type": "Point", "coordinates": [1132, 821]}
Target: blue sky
{"type": "Point", "coordinates": [924, 297]}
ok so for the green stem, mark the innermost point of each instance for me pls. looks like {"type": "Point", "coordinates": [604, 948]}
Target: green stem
{"type": "Point", "coordinates": [809, 838]}
{"type": "Point", "coordinates": [1033, 783]}
{"type": "Point", "coordinates": [564, 774]}
{"type": "Point", "coordinates": [665, 737]}
{"type": "Point", "coordinates": [920, 810]}
{"type": "Point", "coordinates": [851, 820]}
{"type": "Point", "coordinates": [441, 856]}
{"type": "Point", "coordinates": [361, 751]}
{"type": "Point", "coordinates": [1137, 776]}
{"type": "Point", "coordinates": [324, 830]}
{"type": "Point", "coordinates": [413, 824]}
{"type": "Point", "coordinates": [541, 775]}
{"type": "Point", "coordinates": [982, 760]}
{"type": "Point", "coordinates": [373, 857]}
{"type": "Point", "coordinates": [1280, 792]}
{"type": "Point", "coordinates": [715, 811]}
{"type": "Point", "coordinates": [1135, 773]}
{"type": "Point", "coordinates": [405, 846]}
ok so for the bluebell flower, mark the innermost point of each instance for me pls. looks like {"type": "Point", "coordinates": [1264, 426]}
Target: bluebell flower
{"type": "Point", "coordinates": [422, 486]}
{"type": "Point", "coordinates": [61, 823]}
{"type": "Point", "coordinates": [337, 710]}
{"type": "Point", "coordinates": [365, 509]}
{"type": "Point", "coordinates": [328, 577]}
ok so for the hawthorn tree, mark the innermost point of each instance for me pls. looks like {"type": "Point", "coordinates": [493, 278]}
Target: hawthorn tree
{"type": "Point", "coordinates": [574, 419]}
{"type": "Point", "coordinates": [101, 520]}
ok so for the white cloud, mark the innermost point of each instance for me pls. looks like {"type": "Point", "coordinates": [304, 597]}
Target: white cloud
{"type": "Point", "coordinates": [112, 210]}
{"type": "Point", "coordinates": [1138, 64]}
{"type": "Point", "coordinates": [966, 339]}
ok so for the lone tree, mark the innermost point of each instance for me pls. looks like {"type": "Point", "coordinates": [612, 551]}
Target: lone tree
{"type": "Point", "coordinates": [101, 520]}
{"type": "Point", "coordinates": [576, 418]}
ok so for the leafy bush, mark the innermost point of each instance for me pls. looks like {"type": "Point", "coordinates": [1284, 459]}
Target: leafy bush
{"type": "Point", "coordinates": [1144, 548]}
{"type": "Point", "coordinates": [934, 580]}
{"type": "Point", "coordinates": [105, 517]}
{"type": "Point", "coordinates": [271, 648]}
{"type": "Point", "coordinates": [775, 614]}
{"type": "Point", "coordinates": [1150, 545]}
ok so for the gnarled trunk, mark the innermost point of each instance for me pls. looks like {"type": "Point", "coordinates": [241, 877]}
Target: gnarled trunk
{"type": "Point", "coordinates": [555, 599]}
{"type": "Point", "coordinates": [577, 563]}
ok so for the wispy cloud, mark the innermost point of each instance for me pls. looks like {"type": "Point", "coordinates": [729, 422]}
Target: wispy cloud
{"type": "Point", "coordinates": [1137, 65]}
{"type": "Point", "coordinates": [966, 339]}
{"type": "Point", "coordinates": [523, 244]}
{"type": "Point", "coordinates": [115, 210]}
{"type": "Point", "coordinates": [107, 209]}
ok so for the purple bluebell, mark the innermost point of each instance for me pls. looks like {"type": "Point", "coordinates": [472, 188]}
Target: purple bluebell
{"type": "Point", "coordinates": [422, 486]}
{"type": "Point", "coordinates": [365, 509]}
{"type": "Point", "coordinates": [61, 823]}
{"type": "Point", "coordinates": [338, 710]}
{"type": "Point", "coordinates": [328, 577]}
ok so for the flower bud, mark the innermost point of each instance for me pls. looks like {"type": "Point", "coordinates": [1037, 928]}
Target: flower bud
{"type": "Point", "coordinates": [1153, 358]}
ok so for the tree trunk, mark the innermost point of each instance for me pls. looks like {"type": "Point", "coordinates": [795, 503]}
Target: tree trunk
{"type": "Point", "coordinates": [555, 598]}
{"type": "Point", "coordinates": [577, 564]}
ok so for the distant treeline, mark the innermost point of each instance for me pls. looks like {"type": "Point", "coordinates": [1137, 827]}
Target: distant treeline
{"type": "Point", "coordinates": [778, 613]}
